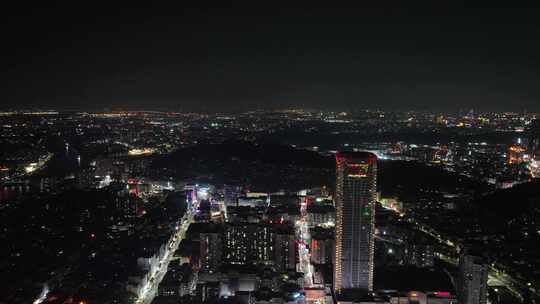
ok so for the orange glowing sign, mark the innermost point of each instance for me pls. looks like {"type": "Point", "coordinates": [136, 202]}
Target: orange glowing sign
{"type": "Point", "coordinates": [357, 170]}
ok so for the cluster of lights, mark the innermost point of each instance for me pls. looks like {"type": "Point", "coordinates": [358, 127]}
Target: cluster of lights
{"type": "Point", "coordinates": [534, 168]}
{"type": "Point", "coordinates": [142, 151]}
{"type": "Point", "coordinates": [31, 168]}
{"type": "Point", "coordinates": [516, 154]}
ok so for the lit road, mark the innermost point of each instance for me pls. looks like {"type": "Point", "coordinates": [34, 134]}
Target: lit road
{"type": "Point", "coordinates": [303, 237]}
{"type": "Point", "coordinates": [304, 264]}
{"type": "Point", "coordinates": [148, 291]}
{"type": "Point", "coordinates": [32, 168]}
{"type": "Point", "coordinates": [498, 277]}
{"type": "Point", "coordinates": [42, 296]}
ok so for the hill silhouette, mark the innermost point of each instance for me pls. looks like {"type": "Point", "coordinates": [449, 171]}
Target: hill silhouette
{"type": "Point", "coordinates": [265, 166]}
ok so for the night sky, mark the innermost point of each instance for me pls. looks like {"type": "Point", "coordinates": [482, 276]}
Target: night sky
{"type": "Point", "coordinates": [441, 57]}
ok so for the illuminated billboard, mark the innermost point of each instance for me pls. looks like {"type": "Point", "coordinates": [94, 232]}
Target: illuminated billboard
{"type": "Point", "coordinates": [357, 170]}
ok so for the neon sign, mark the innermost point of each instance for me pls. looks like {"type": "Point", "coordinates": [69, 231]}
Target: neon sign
{"type": "Point", "coordinates": [357, 170]}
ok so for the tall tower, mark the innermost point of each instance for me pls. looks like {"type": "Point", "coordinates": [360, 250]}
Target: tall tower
{"type": "Point", "coordinates": [356, 186]}
{"type": "Point", "coordinates": [534, 148]}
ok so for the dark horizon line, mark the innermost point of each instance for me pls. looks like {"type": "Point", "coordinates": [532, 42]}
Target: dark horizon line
{"type": "Point", "coordinates": [240, 110]}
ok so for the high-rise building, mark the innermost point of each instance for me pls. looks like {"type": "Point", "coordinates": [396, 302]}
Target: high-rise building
{"type": "Point", "coordinates": [321, 215]}
{"type": "Point", "coordinates": [211, 250]}
{"type": "Point", "coordinates": [534, 148]}
{"type": "Point", "coordinates": [419, 255]}
{"type": "Point", "coordinates": [322, 245]}
{"type": "Point", "coordinates": [473, 276]}
{"type": "Point", "coordinates": [128, 206]}
{"type": "Point", "coordinates": [534, 137]}
{"type": "Point", "coordinates": [86, 178]}
{"type": "Point", "coordinates": [248, 243]}
{"type": "Point", "coordinates": [355, 195]}
{"type": "Point", "coordinates": [284, 248]}
{"type": "Point", "coordinates": [230, 195]}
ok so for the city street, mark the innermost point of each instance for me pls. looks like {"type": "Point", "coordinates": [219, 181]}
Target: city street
{"type": "Point", "coordinates": [303, 239]}
{"type": "Point", "coordinates": [303, 252]}
{"type": "Point", "coordinates": [149, 290]}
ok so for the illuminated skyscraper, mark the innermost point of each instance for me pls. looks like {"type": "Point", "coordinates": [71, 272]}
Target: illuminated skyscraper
{"type": "Point", "coordinates": [356, 186]}
{"type": "Point", "coordinates": [534, 148]}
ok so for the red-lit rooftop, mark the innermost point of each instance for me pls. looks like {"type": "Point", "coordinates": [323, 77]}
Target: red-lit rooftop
{"type": "Point", "coordinates": [356, 156]}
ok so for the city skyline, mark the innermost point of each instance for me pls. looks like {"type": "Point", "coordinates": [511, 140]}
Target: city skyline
{"type": "Point", "coordinates": [160, 207]}
{"type": "Point", "coordinates": [260, 154]}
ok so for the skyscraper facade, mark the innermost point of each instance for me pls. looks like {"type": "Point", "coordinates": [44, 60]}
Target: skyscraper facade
{"type": "Point", "coordinates": [249, 242]}
{"type": "Point", "coordinates": [534, 148]}
{"type": "Point", "coordinates": [356, 186]}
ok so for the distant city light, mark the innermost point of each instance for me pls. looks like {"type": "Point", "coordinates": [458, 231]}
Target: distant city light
{"type": "Point", "coordinates": [143, 151]}
{"type": "Point", "coordinates": [30, 168]}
